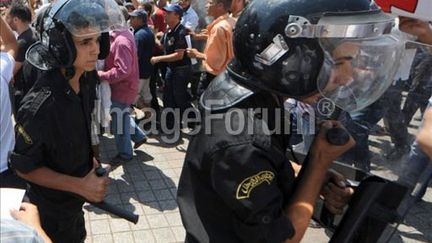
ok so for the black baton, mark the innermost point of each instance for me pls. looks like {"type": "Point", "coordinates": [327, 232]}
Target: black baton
{"type": "Point", "coordinates": [124, 214]}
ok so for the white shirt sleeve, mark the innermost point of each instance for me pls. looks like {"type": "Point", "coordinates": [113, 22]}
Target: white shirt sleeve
{"type": "Point", "coordinates": [7, 63]}
{"type": "Point", "coordinates": [190, 19]}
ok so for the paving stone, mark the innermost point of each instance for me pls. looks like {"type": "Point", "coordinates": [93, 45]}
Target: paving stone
{"type": "Point", "coordinates": [179, 233]}
{"type": "Point", "coordinates": [151, 208]}
{"type": "Point", "coordinates": [146, 196]}
{"type": "Point", "coordinates": [141, 185]}
{"type": "Point", "coordinates": [157, 220]}
{"type": "Point", "coordinates": [123, 237]}
{"type": "Point", "coordinates": [163, 235]}
{"type": "Point", "coordinates": [169, 205]}
{"type": "Point", "coordinates": [145, 236]}
{"type": "Point", "coordinates": [119, 225]}
{"type": "Point", "coordinates": [141, 224]}
{"type": "Point", "coordinates": [152, 175]}
{"type": "Point", "coordinates": [105, 238]}
{"type": "Point", "coordinates": [164, 194]}
{"type": "Point", "coordinates": [157, 184]}
{"type": "Point", "coordinates": [173, 219]}
{"type": "Point", "coordinates": [100, 227]}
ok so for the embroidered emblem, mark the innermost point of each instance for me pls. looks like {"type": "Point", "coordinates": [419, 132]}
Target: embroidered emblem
{"type": "Point", "coordinates": [171, 41]}
{"type": "Point", "coordinates": [23, 133]}
{"type": "Point", "coordinates": [248, 184]}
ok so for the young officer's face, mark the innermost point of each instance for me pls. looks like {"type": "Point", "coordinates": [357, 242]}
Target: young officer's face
{"type": "Point", "coordinates": [342, 72]}
{"type": "Point", "coordinates": [87, 52]}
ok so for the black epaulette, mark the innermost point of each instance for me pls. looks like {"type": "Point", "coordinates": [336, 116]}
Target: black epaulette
{"type": "Point", "coordinates": [38, 99]}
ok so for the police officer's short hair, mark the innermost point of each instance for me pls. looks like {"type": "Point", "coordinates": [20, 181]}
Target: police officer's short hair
{"type": "Point", "coordinates": [20, 11]}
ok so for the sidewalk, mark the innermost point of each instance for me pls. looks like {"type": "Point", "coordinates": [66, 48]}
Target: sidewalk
{"type": "Point", "coordinates": [147, 185]}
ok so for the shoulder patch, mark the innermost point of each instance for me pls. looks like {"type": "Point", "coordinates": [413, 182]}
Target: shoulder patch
{"type": "Point", "coordinates": [38, 100]}
{"type": "Point", "coordinates": [248, 184]}
{"type": "Point", "coordinates": [21, 131]}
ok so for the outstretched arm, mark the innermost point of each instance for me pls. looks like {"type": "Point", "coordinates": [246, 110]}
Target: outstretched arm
{"type": "Point", "coordinates": [8, 40]}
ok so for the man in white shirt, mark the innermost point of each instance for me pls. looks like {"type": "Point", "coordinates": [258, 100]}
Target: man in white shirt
{"type": "Point", "coordinates": [190, 17]}
{"type": "Point", "coordinates": [9, 48]}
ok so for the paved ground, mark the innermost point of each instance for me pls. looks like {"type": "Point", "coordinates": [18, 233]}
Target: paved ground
{"type": "Point", "coordinates": [147, 185]}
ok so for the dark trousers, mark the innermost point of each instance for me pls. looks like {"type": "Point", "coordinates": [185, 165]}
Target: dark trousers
{"type": "Point", "coordinates": [394, 117]}
{"type": "Point", "coordinates": [70, 230]}
{"type": "Point", "coordinates": [387, 107]}
{"type": "Point", "coordinates": [204, 82]}
{"type": "Point", "coordinates": [154, 102]}
{"type": "Point", "coordinates": [175, 94]}
{"type": "Point", "coordinates": [417, 98]}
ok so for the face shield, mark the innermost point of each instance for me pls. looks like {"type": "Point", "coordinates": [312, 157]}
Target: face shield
{"type": "Point", "coordinates": [357, 72]}
{"type": "Point", "coordinates": [85, 18]}
{"type": "Point", "coordinates": [361, 56]}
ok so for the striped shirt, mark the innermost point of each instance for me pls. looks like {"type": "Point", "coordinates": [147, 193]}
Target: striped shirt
{"type": "Point", "coordinates": [13, 231]}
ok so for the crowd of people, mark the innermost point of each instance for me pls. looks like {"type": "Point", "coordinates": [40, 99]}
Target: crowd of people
{"type": "Point", "coordinates": [141, 68]}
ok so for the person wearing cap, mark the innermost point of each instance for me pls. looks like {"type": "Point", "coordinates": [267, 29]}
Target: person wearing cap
{"type": "Point", "coordinates": [190, 17]}
{"type": "Point", "coordinates": [145, 42]}
{"type": "Point", "coordinates": [179, 64]}
{"type": "Point", "coordinates": [53, 150]}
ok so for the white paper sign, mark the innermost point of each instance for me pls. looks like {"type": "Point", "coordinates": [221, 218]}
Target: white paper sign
{"type": "Point", "coordinates": [405, 66]}
{"type": "Point", "coordinates": [189, 44]}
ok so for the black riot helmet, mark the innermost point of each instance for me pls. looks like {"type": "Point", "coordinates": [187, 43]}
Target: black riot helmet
{"type": "Point", "coordinates": [64, 18]}
{"type": "Point", "coordinates": [289, 48]}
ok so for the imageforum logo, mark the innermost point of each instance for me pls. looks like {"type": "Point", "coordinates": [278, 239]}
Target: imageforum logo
{"type": "Point", "coordinates": [325, 107]}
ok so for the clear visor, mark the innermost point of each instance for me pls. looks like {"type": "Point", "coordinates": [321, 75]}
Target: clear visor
{"type": "Point", "coordinates": [84, 18]}
{"type": "Point", "coordinates": [356, 72]}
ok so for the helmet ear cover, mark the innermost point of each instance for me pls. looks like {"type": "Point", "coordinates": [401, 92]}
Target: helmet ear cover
{"type": "Point", "coordinates": [104, 46]}
{"type": "Point", "coordinates": [61, 45]}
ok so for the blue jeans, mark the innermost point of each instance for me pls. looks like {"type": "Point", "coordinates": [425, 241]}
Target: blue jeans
{"type": "Point", "coordinates": [124, 129]}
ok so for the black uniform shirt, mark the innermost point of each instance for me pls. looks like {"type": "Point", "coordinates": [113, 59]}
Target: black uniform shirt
{"type": "Point", "coordinates": [233, 187]}
{"type": "Point", "coordinates": [52, 131]}
{"type": "Point", "coordinates": [173, 40]}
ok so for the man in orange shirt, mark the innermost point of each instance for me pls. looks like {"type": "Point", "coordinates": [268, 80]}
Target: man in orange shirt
{"type": "Point", "coordinates": [219, 50]}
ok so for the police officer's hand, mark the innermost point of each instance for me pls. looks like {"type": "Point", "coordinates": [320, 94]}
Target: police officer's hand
{"type": "Point", "coordinates": [159, 35]}
{"type": "Point", "coordinates": [94, 187]}
{"type": "Point", "coordinates": [154, 60]}
{"type": "Point", "coordinates": [335, 193]}
{"type": "Point", "coordinates": [420, 29]}
{"type": "Point", "coordinates": [192, 52]}
{"type": "Point", "coordinates": [325, 152]}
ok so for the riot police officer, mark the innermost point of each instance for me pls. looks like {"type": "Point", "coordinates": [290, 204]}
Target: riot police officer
{"type": "Point", "coordinates": [53, 149]}
{"type": "Point", "coordinates": [236, 184]}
